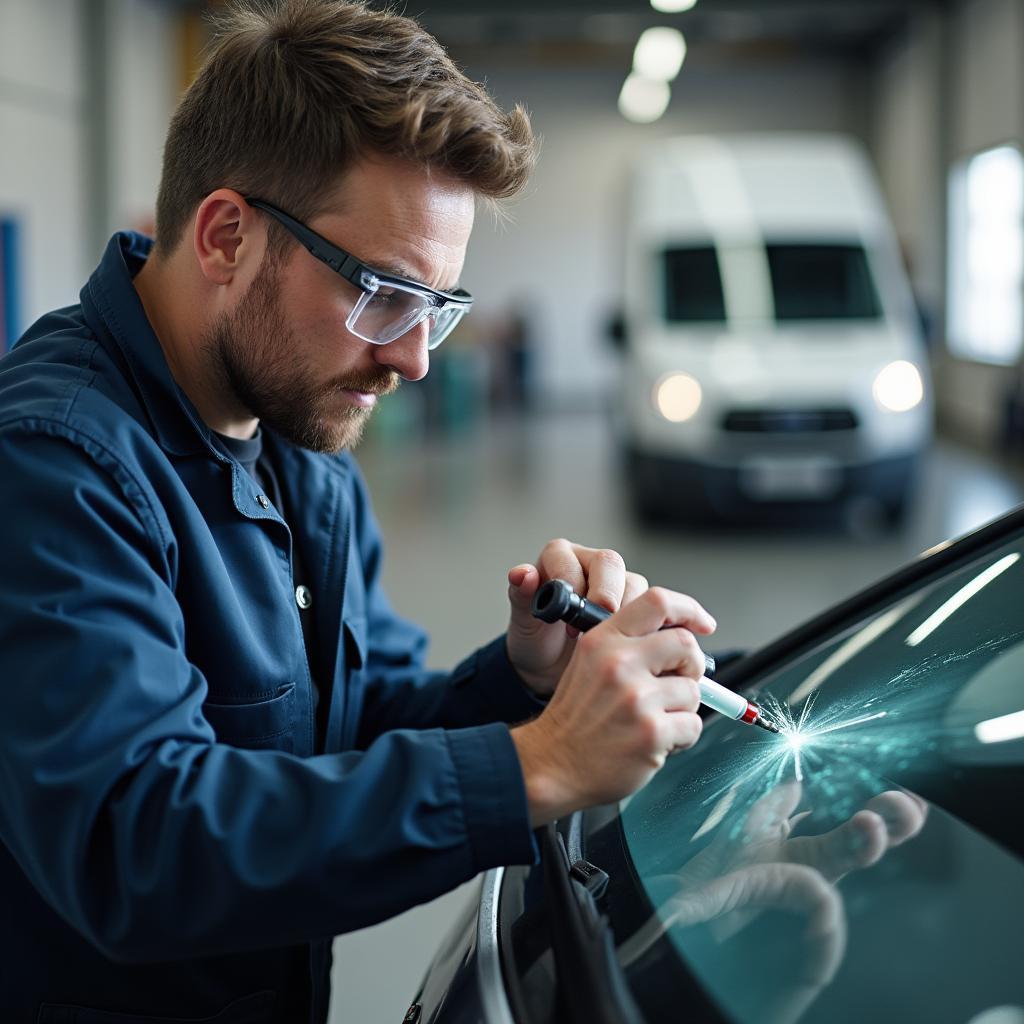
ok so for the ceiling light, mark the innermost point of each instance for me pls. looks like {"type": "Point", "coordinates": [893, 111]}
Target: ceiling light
{"type": "Point", "coordinates": [659, 53]}
{"type": "Point", "coordinates": [673, 6]}
{"type": "Point", "coordinates": [961, 597]}
{"type": "Point", "coordinates": [643, 99]}
{"type": "Point", "coordinates": [999, 730]}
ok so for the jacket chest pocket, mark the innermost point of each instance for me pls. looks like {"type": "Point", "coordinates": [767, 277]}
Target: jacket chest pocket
{"type": "Point", "coordinates": [268, 723]}
{"type": "Point", "coordinates": [354, 634]}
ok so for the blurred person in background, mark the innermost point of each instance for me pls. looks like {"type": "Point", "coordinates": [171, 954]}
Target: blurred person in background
{"type": "Point", "coordinates": [219, 745]}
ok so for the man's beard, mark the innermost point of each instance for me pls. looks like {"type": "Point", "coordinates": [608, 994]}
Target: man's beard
{"type": "Point", "coordinates": [256, 356]}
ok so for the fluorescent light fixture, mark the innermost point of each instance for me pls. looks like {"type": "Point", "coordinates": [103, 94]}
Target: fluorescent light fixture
{"type": "Point", "coordinates": [643, 100]}
{"type": "Point", "coordinates": [898, 387]}
{"type": "Point", "coordinates": [677, 396]}
{"type": "Point", "coordinates": [659, 54]}
{"type": "Point", "coordinates": [962, 596]}
{"type": "Point", "coordinates": [999, 730]}
{"type": "Point", "coordinates": [673, 6]}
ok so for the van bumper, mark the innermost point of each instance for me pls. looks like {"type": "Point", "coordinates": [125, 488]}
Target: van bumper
{"type": "Point", "coordinates": [669, 487]}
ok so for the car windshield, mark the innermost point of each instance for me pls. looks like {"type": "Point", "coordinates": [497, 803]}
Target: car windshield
{"type": "Point", "coordinates": [822, 282]}
{"type": "Point", "coordinates": [867, 863]}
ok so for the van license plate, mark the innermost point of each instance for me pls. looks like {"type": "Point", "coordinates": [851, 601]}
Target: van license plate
{"type": "Point", "coordinates": [767, 478]}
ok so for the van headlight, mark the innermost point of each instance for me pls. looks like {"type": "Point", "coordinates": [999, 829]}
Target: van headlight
{"type": "Point", "coordinates": [898, 387]}
{"type": "Point", "coordinates": [677, 397]}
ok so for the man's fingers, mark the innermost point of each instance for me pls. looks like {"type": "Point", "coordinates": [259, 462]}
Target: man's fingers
{"type": "Point", "coordinates": [858, 843]}
{"type": "Point", "coordinates": [789, 887]}
{"type": "Point", "coordinates": [904, 814]}
{"type": "Point", "coordinates": [558, 560]}
{"type": "Point", "coordinates": [770, 816]}
{"type": "Point", "coordinates": [658, 607]}
{"type": "Point", "coordinates": [598, 574]}
{"type": "Point", "coordinates": [635, 586]}
{"type": "Point", "coordinates": [678, 693]}
{"type": "Point", "coordinates": [673, 651]}
{"type": "Point", "coordinates": [606, 578]}
{"type": "Point", "coordinates": [682, 730]}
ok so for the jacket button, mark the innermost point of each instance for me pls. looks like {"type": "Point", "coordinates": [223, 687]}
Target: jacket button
{"type": "Point", "coordinates": [303, 596]}
{"type": "Point", "coordinates": [263, 501]}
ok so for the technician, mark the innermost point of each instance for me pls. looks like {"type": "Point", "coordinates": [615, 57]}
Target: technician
{"type": "Point", "coordinates": [218, 744]}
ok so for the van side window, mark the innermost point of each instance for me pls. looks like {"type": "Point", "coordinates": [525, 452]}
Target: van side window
{"type": "Point", "coordinates": [693, 286]}
{"type": "Point", "coordinates": [822, 282]}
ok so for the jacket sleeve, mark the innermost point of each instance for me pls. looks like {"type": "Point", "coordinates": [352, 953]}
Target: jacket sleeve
{"type": "Point", "coordinates": [149, 837]}
{"type": "Point", "coordinates": [398, 691]}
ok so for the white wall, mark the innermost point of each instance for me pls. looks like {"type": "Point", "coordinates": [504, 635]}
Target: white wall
{"type": "Point", "coordinates": [42, 157]}
{"type": "Point", "coordinates": [142, 95]}
{"type": "Point", "coordinates": [917, 137]}
{"type": "Point", "coordinates": [562, 251]}
{"type": "Point", "coordinates": [47, 128]}
{"type": "Point", "coordinates": [987, 77]}
{"type": "Point", "coordinates": [906, 134]}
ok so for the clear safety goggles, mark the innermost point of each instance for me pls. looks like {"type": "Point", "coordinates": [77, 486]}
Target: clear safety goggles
{"type": "Point", "coordinates": [390, 306]}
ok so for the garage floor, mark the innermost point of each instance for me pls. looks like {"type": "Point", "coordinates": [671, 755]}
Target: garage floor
{"type": "Point", "coordinates": [458, 512]}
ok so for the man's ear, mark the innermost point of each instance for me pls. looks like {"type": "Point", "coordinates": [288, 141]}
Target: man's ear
{"type": "Point", "coordinates": [228, 237]}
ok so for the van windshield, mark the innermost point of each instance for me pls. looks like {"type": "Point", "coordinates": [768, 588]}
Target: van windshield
{"type": "Point", "coordinates": [822, 282]}
{"type": "Point", "coordinates": [693, 286]}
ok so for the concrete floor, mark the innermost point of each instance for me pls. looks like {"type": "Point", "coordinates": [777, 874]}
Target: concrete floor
{"type": "Point", "coordinates": [458, 512]}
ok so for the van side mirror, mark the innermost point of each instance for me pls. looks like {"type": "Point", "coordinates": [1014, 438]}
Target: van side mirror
{"type": "Point", "coordinates": [616, 331]}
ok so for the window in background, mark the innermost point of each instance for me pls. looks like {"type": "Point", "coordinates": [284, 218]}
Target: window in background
{"type": "Point", "coordinates": [986, 256]}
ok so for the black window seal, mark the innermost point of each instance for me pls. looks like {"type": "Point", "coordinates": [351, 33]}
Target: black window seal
{"type": "Point", "coordinates": [591, 985]}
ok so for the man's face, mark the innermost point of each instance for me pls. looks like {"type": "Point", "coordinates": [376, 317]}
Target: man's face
{"type": "Point", "coordinates": [285, 351]}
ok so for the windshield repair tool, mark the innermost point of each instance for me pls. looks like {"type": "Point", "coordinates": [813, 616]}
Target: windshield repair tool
{"type": "Point", "coordinates": [556, 600]}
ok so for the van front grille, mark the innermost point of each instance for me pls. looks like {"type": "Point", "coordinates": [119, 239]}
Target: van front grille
{"type": "Point", "coordinates": [788, 421]}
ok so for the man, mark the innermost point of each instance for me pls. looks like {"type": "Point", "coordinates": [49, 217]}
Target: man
{"type": "Point", "coordinates": [218, 744]}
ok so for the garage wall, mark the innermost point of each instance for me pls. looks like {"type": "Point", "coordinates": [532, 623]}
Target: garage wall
{"type": "Point", "coordinates": [907, 142]}
{"type": "Point", "coordinates": [143, 89]}
{"type": "Point", "coordinates": [42, 158]}
{"type": "Point", "coordinates": [987, 78]}
{"type": "Point", "coordinates": [954, 86]}
{"type": "Point", "coordinates": [83, 132]}
{"type": "Point", "coordinates": [560, 257]}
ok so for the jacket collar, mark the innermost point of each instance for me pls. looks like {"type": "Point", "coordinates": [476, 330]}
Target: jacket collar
{"type": "Point", "coordinates": [115, 312]}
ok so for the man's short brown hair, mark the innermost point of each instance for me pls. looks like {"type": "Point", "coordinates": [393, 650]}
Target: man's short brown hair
{"type": "Point", "coordinates": [294, 92]}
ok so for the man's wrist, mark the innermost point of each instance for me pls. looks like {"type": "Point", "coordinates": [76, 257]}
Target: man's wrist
{"type": "Point", "coordinates": [538, 686]}
{"type": "Point", "coordinates": [547, 796]}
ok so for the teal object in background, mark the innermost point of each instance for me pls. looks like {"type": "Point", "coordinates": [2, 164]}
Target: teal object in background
{"type": "Point", "coordinates": [10, 312]}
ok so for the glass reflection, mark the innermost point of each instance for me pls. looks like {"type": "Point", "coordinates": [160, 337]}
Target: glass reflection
{"type": "Point", "coordinates": [865, 864]}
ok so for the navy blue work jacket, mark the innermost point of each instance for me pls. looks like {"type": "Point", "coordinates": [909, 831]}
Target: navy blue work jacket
{"type": "Point", "coordinates": [172, 845]}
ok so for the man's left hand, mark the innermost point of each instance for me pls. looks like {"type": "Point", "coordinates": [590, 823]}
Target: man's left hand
{"type": "Point", "coordinates": [539, 651]}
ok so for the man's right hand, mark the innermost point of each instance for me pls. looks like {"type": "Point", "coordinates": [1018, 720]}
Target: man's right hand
{"type": "Point", "coordinates": [627, 699]}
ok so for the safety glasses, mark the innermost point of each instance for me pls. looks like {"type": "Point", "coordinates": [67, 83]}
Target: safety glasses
{"type": "Point", "coordinates": [390, 306]}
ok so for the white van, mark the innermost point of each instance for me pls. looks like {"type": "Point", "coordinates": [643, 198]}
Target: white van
{"type": "Point", "coordinates": [772, 350]}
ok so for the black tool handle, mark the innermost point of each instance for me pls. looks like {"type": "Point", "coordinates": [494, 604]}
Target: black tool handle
{"type": "Point", "coordinates": [557, 601]}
